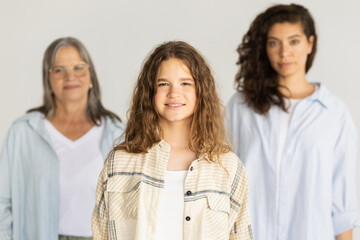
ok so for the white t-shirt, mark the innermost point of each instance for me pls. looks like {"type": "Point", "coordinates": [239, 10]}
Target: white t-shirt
{"type": "Point", "coordinates": [80, 164]}
{"type": "Point", "coordinates": [170, 220]}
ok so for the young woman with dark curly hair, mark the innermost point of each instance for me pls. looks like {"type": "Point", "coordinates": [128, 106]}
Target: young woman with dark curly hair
{"type": "Point", "coordinates": [297, 140]}
{"type": "Point", "coordinates": [174, 176]}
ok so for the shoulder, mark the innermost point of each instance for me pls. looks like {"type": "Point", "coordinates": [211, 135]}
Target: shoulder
{"type": "Point", "coordinates": [121, 153]}
{"type": "Point", "coordinates": [334, 104]}
{"type": "Point", "coordinates": [237, 99]}
{"type": "Point", "coordinates": [332, 101]}
{"type": "Point", "coordinates": [229, 158]}
{"type": "Point", "coordinates": [231, 162]}
{"type": "Point", "coordinates": [113, 128]}
{"type": "Point", "coordinates": [23, 134]}
{"type": "Point", "coordinates": [237, 104]}
{"type": "Point", "coordinates": [113, 124]}
{"type": "Point", "coordinates": [123, 161]}
{"type": "Point", "coordinates": [25, 122]}
{"type": "Point", "coordinates": [29, 117]}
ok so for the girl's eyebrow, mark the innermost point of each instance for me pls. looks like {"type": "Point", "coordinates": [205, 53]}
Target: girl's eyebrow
{"type": "Point", "coordinates": [182, 79]}
{"type": "Point", "coordinates": [187, 79]}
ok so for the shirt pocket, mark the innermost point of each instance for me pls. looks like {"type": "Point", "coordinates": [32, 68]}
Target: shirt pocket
{"type": "Point", "coordinates": [217, 216]}
{"type": "Point", "coordinates": [124, 229]}
{"type": "Point", "coordinates": [123, 197]}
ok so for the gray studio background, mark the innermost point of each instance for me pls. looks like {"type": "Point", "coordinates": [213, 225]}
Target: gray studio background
{"type": "Point", "coordinates": [119, 34]}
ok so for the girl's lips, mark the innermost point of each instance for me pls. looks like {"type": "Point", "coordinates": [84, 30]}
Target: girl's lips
{"type": "Point", "coordinates": [174, 105]}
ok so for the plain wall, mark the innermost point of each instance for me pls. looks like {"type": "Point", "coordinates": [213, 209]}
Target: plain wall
{"type": "Point", "coordinates": [119, 34]}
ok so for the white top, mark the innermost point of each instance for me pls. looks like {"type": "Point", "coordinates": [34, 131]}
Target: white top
{"type": "Point", "coordinates": [80, 164]}
{"type": "Point", "coordinates": [171, 209]}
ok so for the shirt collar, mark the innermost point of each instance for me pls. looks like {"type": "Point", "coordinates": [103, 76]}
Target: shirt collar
{"type": "Point", "coordinates": [164, 145]}
{"type": "Point", "coordinates": [206, 157]}
{"type": "Point", "coordinates": [36, 121]}
{"type": "Point", "coordinates": [320, 95]}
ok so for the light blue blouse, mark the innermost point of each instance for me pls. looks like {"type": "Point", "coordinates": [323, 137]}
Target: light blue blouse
{"type": "Point", "coordinates": [29, 179]}
{"type": "Point", "coordinates": [317, 196]}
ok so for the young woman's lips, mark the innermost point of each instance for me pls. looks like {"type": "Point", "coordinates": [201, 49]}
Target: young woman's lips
{"type": "Point", "coordinates": [287, 64]}
{"type": "Point", "coordinates": [69, 87]}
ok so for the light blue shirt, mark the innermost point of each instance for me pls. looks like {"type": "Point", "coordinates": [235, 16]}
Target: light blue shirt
{"type": "Point", "coordinates": [29, 179]}
{"type": "Point", "coordinates": [317, 196]}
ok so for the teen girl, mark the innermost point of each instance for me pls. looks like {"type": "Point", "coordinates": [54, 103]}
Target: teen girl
{"type": "Point", "coordinates": [174, 176]}
{"type": "Point", "coordinates": [297, 140]}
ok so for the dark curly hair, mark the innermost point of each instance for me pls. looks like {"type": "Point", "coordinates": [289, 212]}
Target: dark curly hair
{"type": "Point", "coordinates": [207, 133]}
{"type": "Point", "coordinates": [256, 78]}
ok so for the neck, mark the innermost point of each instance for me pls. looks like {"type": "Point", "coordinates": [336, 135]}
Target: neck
{"type": "Point", "coordinates": [176, 134]}
{"type": "Point", "coordinates": [70, 112]}
{"type": "Point", "coordinates": [296, 87]}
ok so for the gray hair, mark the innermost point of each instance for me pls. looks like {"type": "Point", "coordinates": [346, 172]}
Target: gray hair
{"type": "Point", "coordinates": [94, 109]}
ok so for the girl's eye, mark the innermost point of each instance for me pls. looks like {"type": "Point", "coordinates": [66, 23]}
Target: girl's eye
{"type": "Point", "coordinates": [186, 83]}
{"type": "Point", "coordinates": [162, 84]}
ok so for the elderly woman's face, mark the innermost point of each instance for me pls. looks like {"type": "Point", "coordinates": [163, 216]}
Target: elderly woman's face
{"type": "Point", "coordinates": [70, 77]}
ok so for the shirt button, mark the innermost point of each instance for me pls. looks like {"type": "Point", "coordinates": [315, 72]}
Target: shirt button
{"type": "Point", "coordinates": [188, 193]}
{"type": "Point", "coordinates": [187, 218]}
{"type": "Point", "coordinates": [191, 168]}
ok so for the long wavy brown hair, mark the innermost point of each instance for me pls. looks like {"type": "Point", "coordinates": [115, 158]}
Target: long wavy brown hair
{"type": "Point", "coordinates": [207, 133]}
{"type": "Point", "coordinates": [256, 78]}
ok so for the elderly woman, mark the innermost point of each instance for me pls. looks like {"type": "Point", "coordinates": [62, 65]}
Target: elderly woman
{"type": "Point", "coordinates": [53, 155]}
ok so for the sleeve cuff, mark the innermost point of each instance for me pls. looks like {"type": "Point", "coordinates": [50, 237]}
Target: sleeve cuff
{"type": "Point", "coordinates": [5, 235]}
{"type": "Point", "coordinates": [345, 221]}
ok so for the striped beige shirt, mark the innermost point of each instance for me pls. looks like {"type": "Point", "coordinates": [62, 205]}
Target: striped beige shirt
{"type": "Point", "coordinates": [130, 185]}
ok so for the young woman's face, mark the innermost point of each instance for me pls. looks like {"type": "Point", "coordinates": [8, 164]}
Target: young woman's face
{"type": "Point", "coordinates": [287, 48]}
{"type": "Point", "coordinates": [175, 98]}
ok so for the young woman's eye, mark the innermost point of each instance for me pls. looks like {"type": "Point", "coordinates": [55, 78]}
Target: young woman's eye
{"type": "Point", "coordinates": [294, 41]}
{"type": "Point", "coordinates": [186, 83]}
{"type": "Point", "coordinates": [162, 84]}
{"type": "Point", "coordinates": [272, 43]}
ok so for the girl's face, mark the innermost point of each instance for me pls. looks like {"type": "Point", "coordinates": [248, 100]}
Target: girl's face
{"type": "Point", "coordinates": [287, 48]}
{"type": "Point", "coordinates": [175, 98]}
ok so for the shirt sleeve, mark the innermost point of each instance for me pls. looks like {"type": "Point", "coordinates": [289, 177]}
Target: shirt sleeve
{"type": "Point", "coordinates": [345, 213]}
{"type": "Point", "coordinates": [6, 217]}
{"type": "Point", "coordinates": [242, 228]}
{"type": "Point", "coordinates": [99, 220]}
